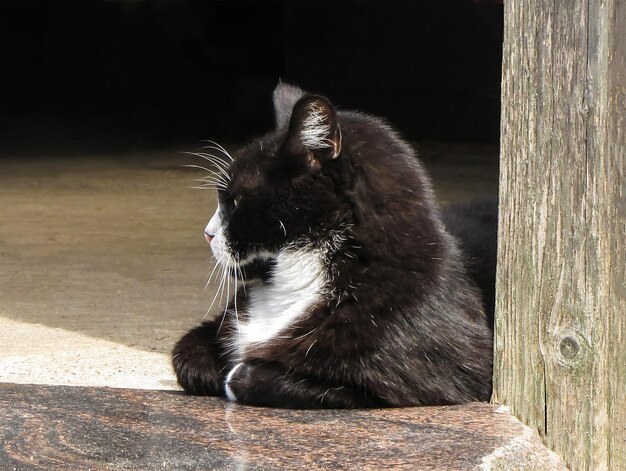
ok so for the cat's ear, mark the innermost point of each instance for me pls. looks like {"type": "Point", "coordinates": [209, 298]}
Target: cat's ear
{"type": "Point", "coordinates": [285, 97]}
{"type": "Point", "coordinates": [314, 129]}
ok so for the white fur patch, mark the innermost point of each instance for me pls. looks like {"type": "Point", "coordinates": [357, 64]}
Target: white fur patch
{"type": "Point", "coordinates": [297, 283]}
{"type": "Point", "coordinates": [315, 129]}
{"type": "Point", "coordinates": [229, 392]}
{"type": "Point", "coordinates": [218, 244]}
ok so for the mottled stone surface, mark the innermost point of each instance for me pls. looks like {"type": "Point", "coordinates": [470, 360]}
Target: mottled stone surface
{"type": "Point", "coordinates": [60, 427]}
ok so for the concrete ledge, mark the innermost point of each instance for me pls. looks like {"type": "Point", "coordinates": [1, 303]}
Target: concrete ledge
{"type": "Point", "coordinates": [59, 357]}
{"type": "Point", "coordinates": [61, 427]}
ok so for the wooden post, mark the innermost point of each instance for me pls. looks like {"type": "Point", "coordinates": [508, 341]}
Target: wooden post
{"type": "Point", "coordinates": [560, 344]}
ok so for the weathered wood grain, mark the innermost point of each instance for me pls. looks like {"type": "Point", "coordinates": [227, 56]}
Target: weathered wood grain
{"type": "Point", "coordinates": [560, 351]}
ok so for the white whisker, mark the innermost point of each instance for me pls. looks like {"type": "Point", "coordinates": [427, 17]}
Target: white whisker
{"type": "Point", "coordinates": [226, 292]}
{"type": "Point", "coordinates": [219, 147]}
{"type": "Point", "coordinates": [210, 157]}
{"type": "Point", "coordinates": [235, 303]}
{"type": "Point", "coordinates": [210, 183]}
{"type": "Point", "coordinates": [220, 292]}
{"type": "Point", "coordinates": [310, 347]}
{"type": "Point", "coordinates": [217, 264]}
{"type": "Point", "coordinates": [213, 159]}
{"type": "Point", "coordinates": [305, 335]}
{"type": "Point", "coordinates": [212, 178]}
{"type": "Point", "coordinates": [205, 187]}
{"type": "Point", "coordinates": [243, 280]}
{"type": "Point", "coordinates": [224, 279]}
{"type": "Point", "coordinates": [212, 172]}
{"type": "Point", "coordinates": [213, 181]}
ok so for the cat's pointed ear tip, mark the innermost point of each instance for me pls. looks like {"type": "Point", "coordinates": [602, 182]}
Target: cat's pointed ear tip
{"type": "Point", "coordinates": [285, 97]}
{"type": "Point", "coordinates": [284, 88]}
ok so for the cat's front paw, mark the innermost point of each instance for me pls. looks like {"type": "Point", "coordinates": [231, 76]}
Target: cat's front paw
{"type": "Point", "coordinates": [253, 383]}
{"type": "Point", "coordinates": [195, 362]}
{"type": "Point", "coordinates": [229, 384]}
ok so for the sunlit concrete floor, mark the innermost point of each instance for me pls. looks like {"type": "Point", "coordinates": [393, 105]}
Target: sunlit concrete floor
{"type": "Point", "coordinates": [103, 263]}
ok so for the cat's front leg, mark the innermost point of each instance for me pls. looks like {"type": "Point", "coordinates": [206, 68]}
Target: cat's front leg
{"type": "Point", "coordinates": [197, 361]}
{"type": "Point", "coordinates": [269, 384]}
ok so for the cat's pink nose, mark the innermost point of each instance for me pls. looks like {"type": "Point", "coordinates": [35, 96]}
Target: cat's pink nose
{"type": "Point", "coordinates": [208, 237]}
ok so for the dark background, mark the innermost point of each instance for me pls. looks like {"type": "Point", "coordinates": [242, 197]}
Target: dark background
{"type": "Point", "coordinates": [102, 76]}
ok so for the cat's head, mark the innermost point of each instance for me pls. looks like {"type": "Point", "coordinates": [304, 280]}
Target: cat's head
{"type": "Point", "coordinates": [284, 189]}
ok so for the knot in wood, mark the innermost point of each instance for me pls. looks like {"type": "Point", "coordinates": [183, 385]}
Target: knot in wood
{"type": "Point", "coordinates": [569, 347]}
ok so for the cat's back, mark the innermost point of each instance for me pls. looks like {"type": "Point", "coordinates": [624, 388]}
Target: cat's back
{"type": "Point", "coordinates": [374, 145]}
{"type": "Point", "coordinates": [396, 216]}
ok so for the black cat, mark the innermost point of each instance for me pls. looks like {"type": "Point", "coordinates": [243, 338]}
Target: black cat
{"type": "Point", "coordinates": [355, 294]}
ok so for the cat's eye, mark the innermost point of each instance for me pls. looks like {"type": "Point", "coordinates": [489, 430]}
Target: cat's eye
{"type": "Point", "coordinates": [236, 201]}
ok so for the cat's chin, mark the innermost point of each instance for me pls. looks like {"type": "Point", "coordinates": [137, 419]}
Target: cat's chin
{"type": "Point", "coordinates": [253, 268]}
{"type": "Point", "coordinates": [228, 260]}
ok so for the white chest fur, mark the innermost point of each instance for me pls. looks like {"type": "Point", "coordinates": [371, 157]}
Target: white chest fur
{"type": "Point", "coordinates": [297, 283]}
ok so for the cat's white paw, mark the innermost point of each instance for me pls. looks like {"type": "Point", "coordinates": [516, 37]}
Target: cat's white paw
{"type": "Point", "coordinates": [229, 393]}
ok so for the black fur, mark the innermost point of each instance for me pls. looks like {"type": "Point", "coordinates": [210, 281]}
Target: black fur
{"type": "Point", "coordinates": [475, 225]}
{"type": "Point", "coordinates": [401, 323]}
